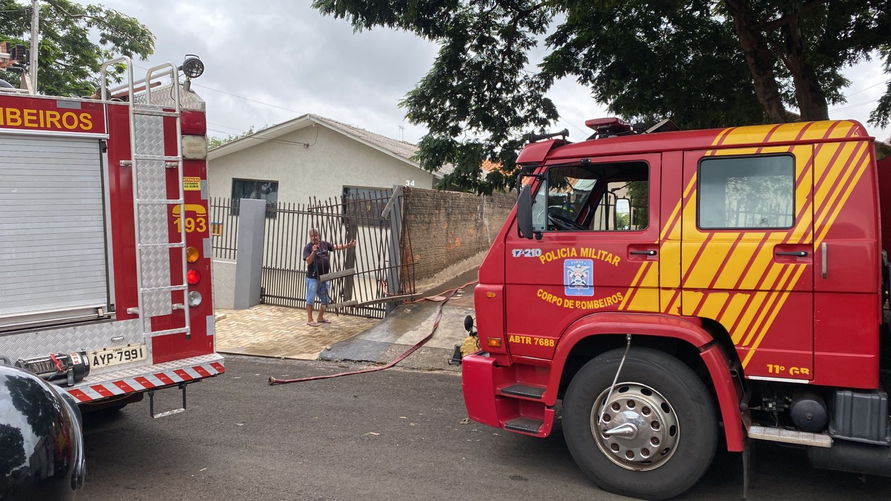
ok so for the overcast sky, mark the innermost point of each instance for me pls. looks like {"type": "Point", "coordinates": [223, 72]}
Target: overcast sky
{"type": "Point", "coordinates": [268, 61]}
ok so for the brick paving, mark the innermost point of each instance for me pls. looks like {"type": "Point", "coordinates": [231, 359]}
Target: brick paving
{"type": "Point", "coordinates": [278, 331]}
{"type": "Point", "coordinates": [281, 332]}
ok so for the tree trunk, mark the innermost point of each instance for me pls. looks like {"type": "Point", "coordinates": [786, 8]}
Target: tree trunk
{"type": "Point", "coordinates": [759, 60]}
{"type": "Point", "coordinates": [811, 99]}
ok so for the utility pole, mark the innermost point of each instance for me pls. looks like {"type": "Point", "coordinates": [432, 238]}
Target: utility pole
{"type": "Point", "coordinates": [35, 41]}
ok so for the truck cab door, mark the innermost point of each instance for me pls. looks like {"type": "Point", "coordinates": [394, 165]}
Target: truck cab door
{"type": "Point", "coordinates": [747, 253]}
{"type": "Point", "coordinates": [586, 256]}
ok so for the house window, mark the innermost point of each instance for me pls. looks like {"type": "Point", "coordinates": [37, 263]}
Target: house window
{"type": "Point", "coordinates": [746, 192]}
{"type": "Point", "coordinates": [364, 205]}
{"type": "Point", "coordinates": [365, 192]}
{"type": "Point", "coordinates": [257, 190]}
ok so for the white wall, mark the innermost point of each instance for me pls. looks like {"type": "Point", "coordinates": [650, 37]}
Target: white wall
{"type": "Point", "coordinates": [223, 274]}
{"type": "Point", "coordinates": [321, 169]}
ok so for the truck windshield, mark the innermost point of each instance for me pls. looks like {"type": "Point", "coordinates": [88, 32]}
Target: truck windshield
{"type": "Point", "coordinates": [583, 197]}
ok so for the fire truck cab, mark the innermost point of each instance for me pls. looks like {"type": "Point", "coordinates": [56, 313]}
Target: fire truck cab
{"type": "Point", "coordinates": [105, 253]}
{"type": "Point", "coordinates": [678, 291]}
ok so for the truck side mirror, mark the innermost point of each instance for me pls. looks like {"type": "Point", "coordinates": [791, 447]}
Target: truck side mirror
{"type": "Point", "coordinates": [524, 212]}
{"type": "Point", "coordinates": [623, 214]}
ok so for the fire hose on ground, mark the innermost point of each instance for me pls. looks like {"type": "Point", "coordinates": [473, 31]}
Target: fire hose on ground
{"type": "Point", "coordinates": [442, 298]}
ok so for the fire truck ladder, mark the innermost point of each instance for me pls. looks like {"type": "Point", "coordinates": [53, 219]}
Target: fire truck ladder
{"type": "Point", "coordinates": [151, 204]}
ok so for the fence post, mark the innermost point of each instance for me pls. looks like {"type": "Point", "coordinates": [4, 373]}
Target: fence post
{"type": "Point", "coordinates": [351, 227]}
{"type": "Point", "coordinates": [393, 211]}
{"type": "Point", "coordinates": [249, 258]}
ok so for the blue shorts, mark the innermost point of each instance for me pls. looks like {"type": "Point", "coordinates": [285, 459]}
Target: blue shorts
{"type": "Point", "coordinates": [316, 289]}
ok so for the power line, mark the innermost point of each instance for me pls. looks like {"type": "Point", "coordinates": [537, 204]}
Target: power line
{"type": "Point", "coordinates": [867, 88]}
{"type": "Point", "coordinates": [245, 98]}
{"type": "Point", "coordinates": [855, 105]}
{"type": "Point", "coordinates": [574, 126]}
{"type": "Point", "coordinates": [225, 126]}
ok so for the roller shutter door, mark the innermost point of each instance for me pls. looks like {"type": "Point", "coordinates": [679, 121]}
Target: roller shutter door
{"type": "Point", "coordinates": [53, 258]}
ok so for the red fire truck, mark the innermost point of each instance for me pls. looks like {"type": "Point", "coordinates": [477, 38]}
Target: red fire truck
{"type": "Point", "coordinates": [105, 252]}
{"type": "Point", "coordinates": [685, 290]}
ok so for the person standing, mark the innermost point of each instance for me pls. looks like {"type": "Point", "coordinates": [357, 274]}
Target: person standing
{"type": "Point", "coordinates": [318, 263]}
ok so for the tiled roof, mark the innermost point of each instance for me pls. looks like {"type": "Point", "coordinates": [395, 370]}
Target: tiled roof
{"type": "Point", "coordinates": [399, 148]}
{"type": "Point", "coordinates": [489, 166]}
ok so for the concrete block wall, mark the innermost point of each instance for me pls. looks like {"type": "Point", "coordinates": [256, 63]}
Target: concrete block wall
{"type": "Point", "coordinates": [223, 283]}
{"type": "Point", "coordinates": [446, 227]}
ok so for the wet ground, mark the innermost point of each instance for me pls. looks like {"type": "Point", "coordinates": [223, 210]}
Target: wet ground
{"type": "Point", "coordinates": [280, 332]}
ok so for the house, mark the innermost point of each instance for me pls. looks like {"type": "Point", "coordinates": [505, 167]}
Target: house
{"type": "Point", "coordinates": [311, 156]}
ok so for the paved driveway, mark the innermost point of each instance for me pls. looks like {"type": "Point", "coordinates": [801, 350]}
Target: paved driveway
{"type": "Point", "coordinates": [278, 331]}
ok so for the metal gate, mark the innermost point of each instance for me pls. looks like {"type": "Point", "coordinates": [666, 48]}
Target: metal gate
{"type": "Point", "coordinates": [365, 280]}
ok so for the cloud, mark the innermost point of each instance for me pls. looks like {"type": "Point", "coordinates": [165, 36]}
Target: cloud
{"type": "Point", "coordinates": [287, 55]}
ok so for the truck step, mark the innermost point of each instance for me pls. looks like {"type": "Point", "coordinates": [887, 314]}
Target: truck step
{"type": "Point", "coordinates": [524, 424]}
{"type": "Point", "coordinates": [789, 436]}
{"type": "Point", "coordinates": [178, 330]}
{"type": "Point", "coordinates": [524, 390]}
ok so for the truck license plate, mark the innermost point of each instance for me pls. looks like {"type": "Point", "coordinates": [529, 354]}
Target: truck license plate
{"type": "Point", "coordinates": [118, 355]}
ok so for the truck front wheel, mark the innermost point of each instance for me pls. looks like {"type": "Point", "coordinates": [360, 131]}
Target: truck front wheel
{"type": "Point", "coordinates": [653, 436]}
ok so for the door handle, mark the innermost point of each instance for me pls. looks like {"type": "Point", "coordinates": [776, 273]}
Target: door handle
{"type": "Point", "coordinates": [791, 253]}
{"type": "Point", "coordinates": [824, 260]}
{"type": "Point", "coordinates": [650, 252]}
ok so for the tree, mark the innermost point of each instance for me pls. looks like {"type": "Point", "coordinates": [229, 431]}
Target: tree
{"type": "Point", "coordinates": [705, 63]}
{"type": "Point", "coordinates": [881, 116]}
{"type": "Point", "coordinates": [68, 60]}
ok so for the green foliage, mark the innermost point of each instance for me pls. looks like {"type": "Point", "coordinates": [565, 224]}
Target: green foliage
{"type": "Point", "coordinates": [651, 60]}
{"type": "Point", "coordinates": [704, 63]}
{"type": "Point", "coordinates": [69, 62]}
{"type": "Point", "coordinates": [478, 99]}
{"type": "Point", "coordinates": [639, 194]}
{"type": "Point", "coordinates": [216, 142]}
{"type": "Point", "coordinates": [881, 116]}
{"type": "Point", "coordinates": [623, 221]}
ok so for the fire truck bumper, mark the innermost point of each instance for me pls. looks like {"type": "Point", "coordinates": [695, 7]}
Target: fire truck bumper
{"type": "Point", "coordinates": [138, 379]}
{"type": "Point", "coordinates": [483, 384]}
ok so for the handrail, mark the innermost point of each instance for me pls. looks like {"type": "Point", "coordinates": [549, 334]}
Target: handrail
{"type": "Point", "coordinates": [104, 75]}
{"type": "Point", "coordinates": [170, 71]}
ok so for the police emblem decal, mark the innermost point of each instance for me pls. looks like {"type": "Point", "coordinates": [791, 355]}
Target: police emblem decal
{"type": "Point", "coordinates": [578, 277]}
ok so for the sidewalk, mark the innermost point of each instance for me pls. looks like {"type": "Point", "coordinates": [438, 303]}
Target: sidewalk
{"type": "Point", "coordinates": [277, 331]}
{"type": "Point", "coordinates": [409, 324]}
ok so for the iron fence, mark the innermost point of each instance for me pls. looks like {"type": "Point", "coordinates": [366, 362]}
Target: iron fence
{"type": "Point", "coordinates": [364, 278]}
{"type": "Point", "coordinates": [224, 228]}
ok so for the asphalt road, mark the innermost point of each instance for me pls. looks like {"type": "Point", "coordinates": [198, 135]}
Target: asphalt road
{"type": "Point", "coordinates": [388, 435]}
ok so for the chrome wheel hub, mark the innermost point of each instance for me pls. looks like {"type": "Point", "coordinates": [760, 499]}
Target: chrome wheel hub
{"type": "Point", "coordinates": [637, 428]}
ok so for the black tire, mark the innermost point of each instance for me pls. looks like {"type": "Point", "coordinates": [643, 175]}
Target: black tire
{"type": "Point", "coordinates": [649, 378]}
